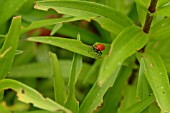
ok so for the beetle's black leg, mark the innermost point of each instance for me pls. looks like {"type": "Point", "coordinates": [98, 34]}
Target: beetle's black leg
{"type": "Point", "coordinates": [100, 53]}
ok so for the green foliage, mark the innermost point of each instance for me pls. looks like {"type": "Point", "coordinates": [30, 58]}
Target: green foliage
{"type": "Point", "coordinates": [29, 95]}
{"type": "Point", "coordinates": [89, 11]}
{"type": "Point", "coordinates": [95, 96]}
{"type": "Point", "coordinates": [59, 86]}
{"type": "Point", "coordinates": [7, 13]}
{"type": "Point", "coordinates": [158, 79]}
{"type": "Point", "coordinates": [76, 67]}
{"type": "Point", "coordinates": [160, 30]}
{"type": "Point", "coordinates": [69, 44]}
{"type": "Point", "coordinates": [134, 41]}
{"type": "Point", "coordinates": [45, 67]}
{"type": "Point", "coordinates": [9, 47]}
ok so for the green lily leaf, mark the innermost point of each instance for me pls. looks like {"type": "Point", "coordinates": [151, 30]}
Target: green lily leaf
{"type": "Point", "coordinates": [11, 44]}
{"type": "Point", "coordinates": [29, 95]}
{"type": "Point", "coordinates": [121, 48]}
{"type": "Point", "coordinates": [7, 12]}
{"type": "Point", "coordinates": [158, 79]}
{"type": "Point", "coordinates": [160, 30]}
{"type": "Point", "coordinates": [69, 44]}
{"type": "Point", "coordinates": [71, 102]}
{"type": "Point", "coordinates": [59, 86]}
{"type": "Point", "coordinates": [89, 10]}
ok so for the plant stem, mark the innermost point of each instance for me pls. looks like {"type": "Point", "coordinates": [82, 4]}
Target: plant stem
{"type": "Point", "coordinates": [149, 17]}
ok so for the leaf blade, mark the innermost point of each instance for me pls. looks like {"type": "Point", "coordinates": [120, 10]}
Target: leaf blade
{"type": "Point", "coordinates": [71, 101]}
{"type": "Point", "coordinates": [59, 86]}
{"type": "Point", "coordinates": [11, 41]}
{"type": "Point", "coordinates": [29, 95]}
{"type": "Point", "coordinates": [7, 13]}
{"type": "Point", "coordinates": [139, 106]}
{"type": "Point", "coordinates": [95, 96]}
{"type": "Point", "coordinates": [76, 67]}
{"type": "Point", "coordinates": [69, 44]}
{"type": "Point", "coordinates": [86, 9]}
{"type": "Point", "coordinates": [164, 11]}
{"type": "Point", "coordinates": [157, 77]}
{"type": "Point", "coordinates": [121, 48]}
{"type": "Point", "coordinates": [112, 99]}
{"type": "Point", "coordinates": [160, 30]}
{"type": "Point", "coordinates": [143, 88]}
{"type": "Point", "coordinates": [48, 22]}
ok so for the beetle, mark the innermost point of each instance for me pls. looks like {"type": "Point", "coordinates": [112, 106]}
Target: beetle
{"type": "Point", "coordinates": [98, 48]}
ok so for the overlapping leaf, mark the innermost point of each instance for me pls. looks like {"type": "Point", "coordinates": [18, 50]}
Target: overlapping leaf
{"type": "Point", "coordinates": [143, 88]}
{"type": "Point", "coordinates": [29, 95]}
{"type": "Point", "coordinates": [95, 96]}
{"type": "Point", "coordinates": [11, 44]}
{"type": "Point", "coordinates": [47, 22]}
{"type": "Point", "coordinates": [89, 10]}
{"type": "Point", "coordinates": [158, 79]}
{"type": "Point", "coordinates": [59, 86]}
{"type": "Point", "coordinates": [72, 103]}
{"type": "Point", "coordinates": [112, 99]}
{"type": "Point", "coordinates": [69, 44]}
{"type": "Point", "coordinates": [121, 48]}
{"type": "Point", "coordinates": [164, 10]}
{"type": "Point", "coordinates": [160, 30]}
{"type": "Point", "coordinates": [162, 2]}
{"type": "Point", "coordinates": [9, 8]}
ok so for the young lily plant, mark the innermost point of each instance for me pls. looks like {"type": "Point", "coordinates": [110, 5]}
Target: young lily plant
{"type": "Point", "coordinates": [74, 56]}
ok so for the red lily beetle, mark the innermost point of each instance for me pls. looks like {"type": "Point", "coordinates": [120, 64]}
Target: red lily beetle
{"type": "Point", "coordinates": [98, 48]}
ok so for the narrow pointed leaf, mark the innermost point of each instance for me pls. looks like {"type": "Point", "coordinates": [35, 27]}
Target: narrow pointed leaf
{"type": "Point", "coordinates": [28, 95]}
{"type": "Point", "coordinates": [139, 106]}
{"type": "Point", "coordinates": [158, 79]}
{"type": "Point", "coordinates": [160, 30]}
{"type": "Point", "coordinates": [127, 43]}
{"type": "Point", "coordinates": [88, 10]}
{"type": "Point", "coordinates": [112, 99]}
{"type": "Point", "coordinates": [95, 96]}
{"type": "Point", "coordinates": [9, 8]}
{"type": "Point", "coordinates": [59, 86]}
{"type": "Point", "coordinates": [164, 11]}
{"type": "Point", "coordinates": [143, 88]}
{"type": "Point", "coordinates": [48, 22]}
{"type": "Point", "coordinates": [11, 41]}
{"type": "Point", "coordinates": [72, 103]}
{"type": "Point", "coordinates": [69, 44]}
